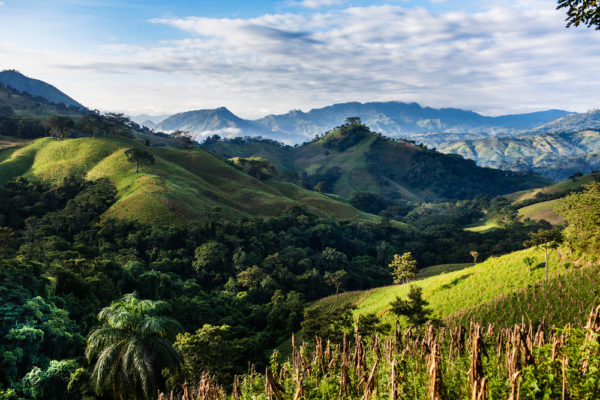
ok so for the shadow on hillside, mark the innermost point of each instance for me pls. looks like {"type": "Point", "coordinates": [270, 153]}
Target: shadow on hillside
{"type": "Point", "coordinates": [456, 281]}
{"type": "Point", "coordinates": [541, 265]}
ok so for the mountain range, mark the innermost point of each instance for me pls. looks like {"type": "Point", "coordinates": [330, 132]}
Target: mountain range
{"type": "Point", "coordinates": [394, 119]}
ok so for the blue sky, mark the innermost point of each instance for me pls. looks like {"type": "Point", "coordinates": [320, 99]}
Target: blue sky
{"type": "Point", "coordinates": [260, 57]}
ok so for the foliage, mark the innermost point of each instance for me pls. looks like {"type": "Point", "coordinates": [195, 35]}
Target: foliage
{"type": "Point", "coordinates": [256, 167]}
{"type": "Point", "coordinates": [328, 324]}
{"type": "Point", "coordinates": [479, 362]}
{"type": "Point", "coordinates": [139, 157]}
{"type": "Point", "coordinates": [582, 213]}
{"type": "Point", "coordinates": [413, 308]}
{"type": "Point", "coordinates": [586, 12]}
{"type": "Point", "coordinates": [131, 346]}
{"type": "Point", "coordinates": [60, 126]}
{"type": "Point", "coordinates": [404, 267]}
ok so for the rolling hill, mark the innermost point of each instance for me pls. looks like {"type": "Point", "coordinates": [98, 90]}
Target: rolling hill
{"type": "Point", "coordinates": [35, 87]}
{"type": "Point", "coordinates": [354, 159]}
{"type": "Point", "coordinates": [182, 186]}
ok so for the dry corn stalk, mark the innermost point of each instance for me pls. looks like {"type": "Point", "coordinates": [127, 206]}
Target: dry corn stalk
{"type": "Point", "coordinates": [273, 389]}
{"type": "Point", "coordinates": [371, 383]}
{"type": "Point", "coordinates": [435, 372]}
{"type": "Point", "coordinates": [477, 381]}
{"type": "Point", "coordinates": [593, 327]}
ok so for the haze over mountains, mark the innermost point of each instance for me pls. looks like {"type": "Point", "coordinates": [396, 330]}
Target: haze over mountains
{"type": "Point", "coordinates": [394, 119]}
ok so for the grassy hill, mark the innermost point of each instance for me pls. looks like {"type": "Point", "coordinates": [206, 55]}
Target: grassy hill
{"type": "Point", "coordinates": [354, 159]}
{"type": "Point", "coordinates": [183, 185]}
{"type": "Point", "coordinates": [454, 291]}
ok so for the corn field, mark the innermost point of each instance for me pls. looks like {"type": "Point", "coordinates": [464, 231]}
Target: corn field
{"type": "Point", "coordinates": [475, 363]}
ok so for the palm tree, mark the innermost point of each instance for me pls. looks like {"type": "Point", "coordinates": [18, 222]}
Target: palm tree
{"type": "Point", "coordinates": [132, 346]}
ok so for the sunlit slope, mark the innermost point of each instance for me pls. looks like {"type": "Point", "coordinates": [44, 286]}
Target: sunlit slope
{"type": "Point", "coordinates": [451, 292]}
{"type": "Point", "coordinates": [182, 185]}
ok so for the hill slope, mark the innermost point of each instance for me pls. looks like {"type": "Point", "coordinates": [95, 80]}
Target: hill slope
{"type": "Point", "coordinates": [555, 155]}
{"type": "Point", "coordinates": [36, 87]}
{"type": "Point", "coordinates": [183, 185]}
{"type": "Point", "coordinates": [353, 159]}
{"type": "Point", "coordinates": [453, 292]}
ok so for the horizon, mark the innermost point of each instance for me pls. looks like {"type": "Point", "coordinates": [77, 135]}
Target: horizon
{"type": "Point", "coordinates": [272, 57]}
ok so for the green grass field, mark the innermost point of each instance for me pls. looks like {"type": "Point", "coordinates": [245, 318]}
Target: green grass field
{"type": "Point", "coordinates": [543, 210]}
{"type": "Point", "coordinates": [485, 226]}
{"type": "Point", "coordinates": [453, 291]}
{"type": "Point", "coordinates": [182, 185]}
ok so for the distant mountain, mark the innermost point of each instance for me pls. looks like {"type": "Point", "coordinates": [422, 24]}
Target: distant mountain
{"type": "Point", "coordinates": [353, 159]}
{"type": "Point", "coordinates": [222, 122]}
{"type": "Point", "coordinates": [403, 119]}
{"type": "Point", "coordinates": [573, 122]}
{"type": "Point", "coordinates": [148, 120]}
{"type": "Point", "coordinates": [554, 155]}
{"type": "Point", "coordinates": [35, 87]}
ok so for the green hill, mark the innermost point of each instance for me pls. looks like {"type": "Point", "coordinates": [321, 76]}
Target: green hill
{"type": "Point", "coordinates": [183, 185]}
{"type": "Point", "coordinates": [353, 159]}
{"type": "Point", "coordinates": [453, 292]}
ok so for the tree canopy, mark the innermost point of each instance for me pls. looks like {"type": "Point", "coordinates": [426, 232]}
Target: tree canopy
{"type": "Point", "coordinates": [581, 12]}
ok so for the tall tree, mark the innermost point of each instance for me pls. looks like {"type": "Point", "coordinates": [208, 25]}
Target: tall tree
{"type": "Point", "coordinates": [336, 279]}
{"type": "Point", "coordinates": [474, 254]}
{"type": "Point", "coordinates": [545, 238]}
{"type": "Point", "coordinates": [404, 269]}
{"type": "Point", "coordinates": [139, 157]}
{"type": "Point", "coordinates": [131, 347]}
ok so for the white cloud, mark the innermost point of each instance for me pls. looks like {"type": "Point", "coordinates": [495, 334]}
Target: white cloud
{"type": "Point", "coordinates": [319, 3]}
{"type": "Point", "coordinates": [508, 58]}
{"type": "Point", "coordinates": [1, 3]}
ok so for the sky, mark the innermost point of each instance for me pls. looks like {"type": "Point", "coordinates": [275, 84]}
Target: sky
{"type": "Point", "coordinates": [268, 57]}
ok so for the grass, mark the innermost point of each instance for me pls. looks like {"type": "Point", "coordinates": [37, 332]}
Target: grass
{"type": "Point", "coordinates": [567, 298]}
{"type": "Point", "coordinates": [539, 211]}
{"type": "Point", "coordinates": [440, 269]}
{"type": "Point", "coordinates": [556, 188]}
{"type": "Point", "coordinates": [182, 185]}
{"type": "Point", "coordinates": [485, 226]}
{"type": "Point", "coordinates": [455, 290]}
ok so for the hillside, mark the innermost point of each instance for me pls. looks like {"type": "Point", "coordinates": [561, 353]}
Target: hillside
{"type": "Point", "coordinates": [354, 159]}
{"type": "Point", "coordinates": [453, 292]}
{"type": "Point", "coordinates": [183, 185]}
{"type": "Point", "coordinates": [22, 105]}
{"type": "Point", "coordinates": [35, 87]}
{"type": "Point", "coordinates": [554, 155]}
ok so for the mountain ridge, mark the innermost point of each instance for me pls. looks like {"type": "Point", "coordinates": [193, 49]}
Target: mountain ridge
{"type": "Point", "coordinates": [36, 87]}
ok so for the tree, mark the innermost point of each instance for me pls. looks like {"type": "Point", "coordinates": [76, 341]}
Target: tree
{"type": "Point", "coordinates": [60, 126]}
{"type": "Point", "coordinates": [545, 238]}
{"type": "Point", "coordinates": [575, 176]}
{"type": "Point", "coordinates": [336, 279]}
{"type": "Point", "coordinates": [528, 261]}
{"type": "Point", "coordinates": [582, 213]}
{"type": "Point", "coordinates": [586, 12]}
{"type": "Point", "coordinates": [131, 347]}
{"type": "Point", "coordinates": [139, 157]}
{"type": "Point", "coordinates": [185, 138]}
{"type": "Point", "coordinates": [414, 308]}
{"type": "Point", "coordinates": [404, 269]}
{"type": "Point", "coordinates": [474, 254]}
{"type": "Point", "coordinates": [210, 348]}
